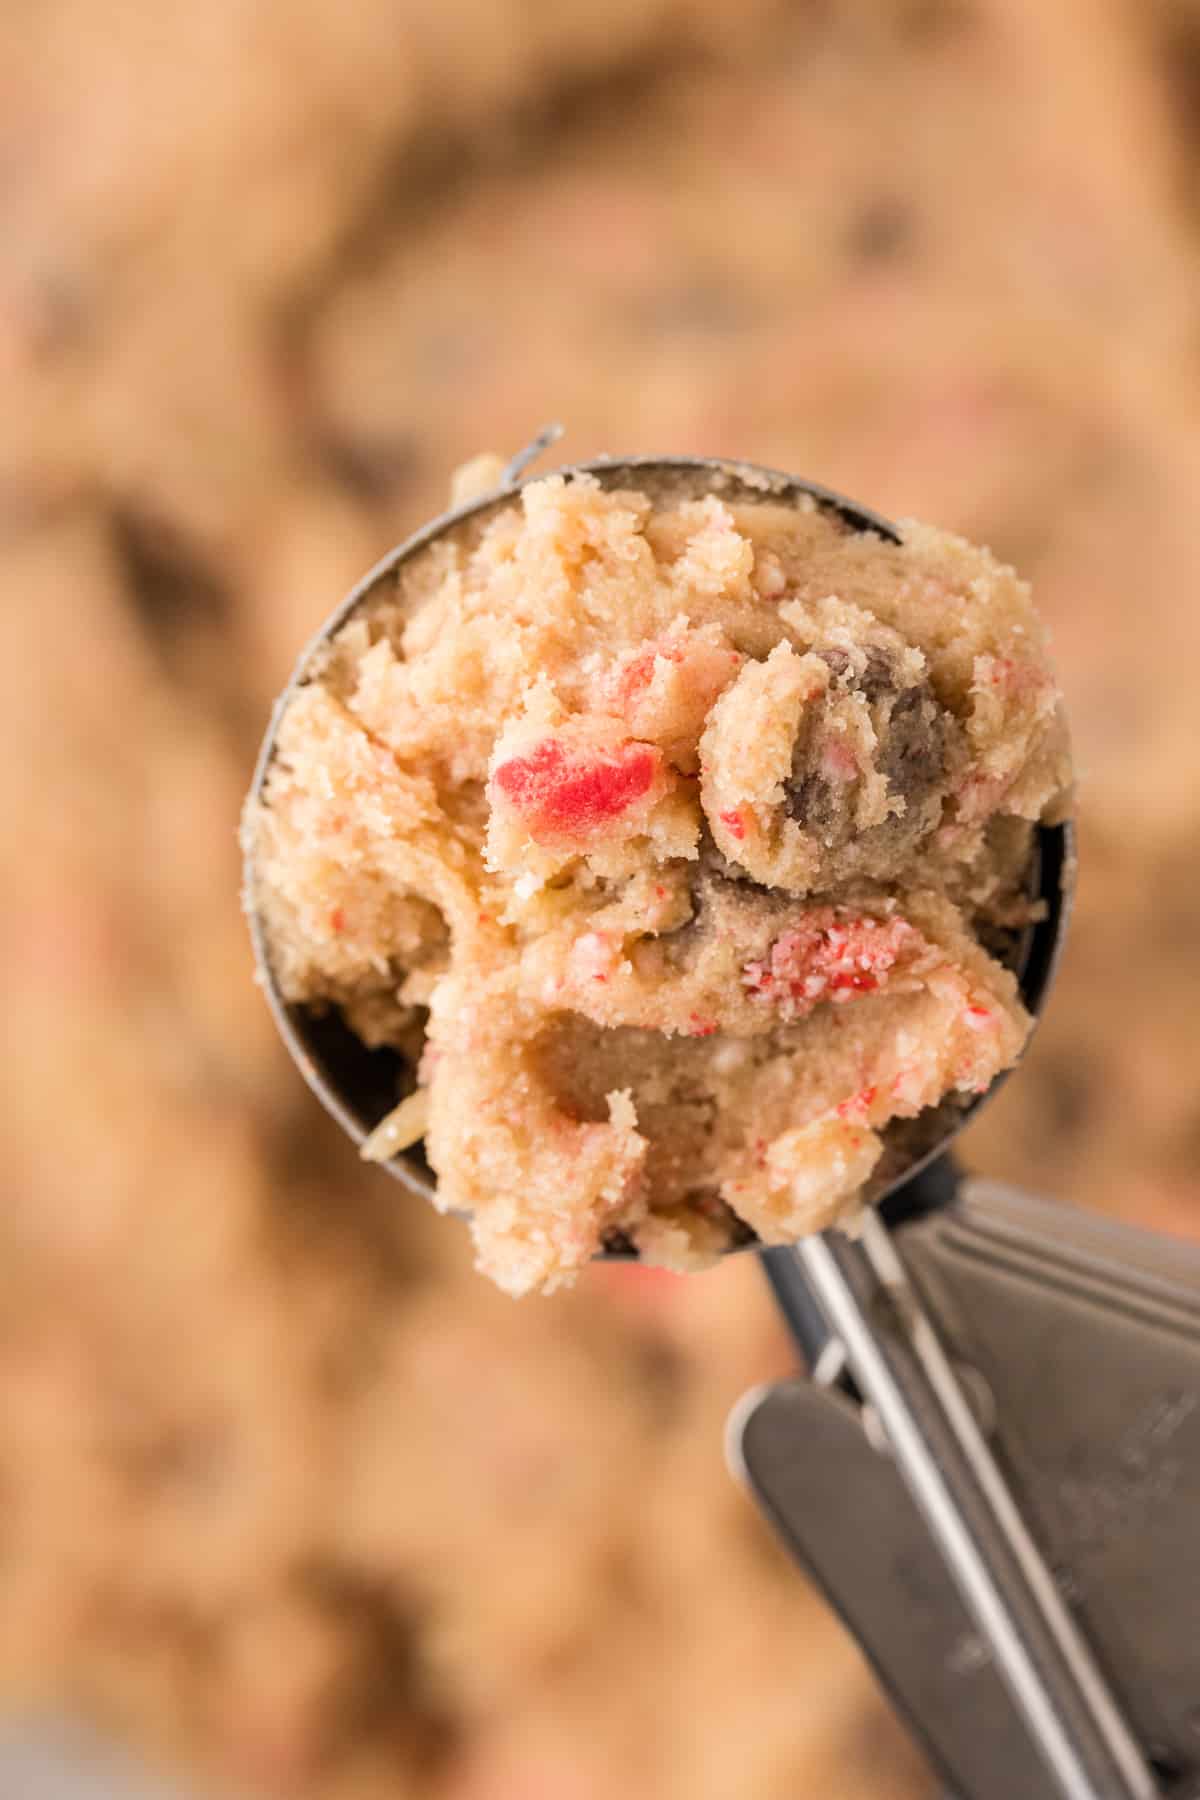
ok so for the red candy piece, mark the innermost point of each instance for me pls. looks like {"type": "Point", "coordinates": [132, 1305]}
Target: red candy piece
{"type": "Point", "coordinates": [735, 822]}
{"type": "Point", "coordinates": [568, 795]}
{"type": "Point", "coordinates": [829, 958]}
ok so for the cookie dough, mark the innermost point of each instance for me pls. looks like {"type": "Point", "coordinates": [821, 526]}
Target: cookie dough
{"type": "Point", "coordinates": [665, 836]}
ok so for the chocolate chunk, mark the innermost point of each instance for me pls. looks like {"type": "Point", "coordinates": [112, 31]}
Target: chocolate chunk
{"type": "Point", "coordinates": [815, 804]}
{"type": "Point", "coordinates": [835, 660]}
{"type": "Point", "coordinates": [913, 751]}
{"type": "Point", "coordinates": [913, 732]}
{"type": "Point", "coordinates": [878, 676]}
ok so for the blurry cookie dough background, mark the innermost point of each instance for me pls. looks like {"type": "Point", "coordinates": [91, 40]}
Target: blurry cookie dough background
{"type": "Point", "coordinates": [292, 1501]}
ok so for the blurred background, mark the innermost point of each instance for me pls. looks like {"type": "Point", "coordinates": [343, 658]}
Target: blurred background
{"type": "Point", "coordinates": [292, 1505]}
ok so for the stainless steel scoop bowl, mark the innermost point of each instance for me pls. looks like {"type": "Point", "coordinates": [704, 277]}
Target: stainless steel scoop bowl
{"type": "Point", "coordinates": [359, 1086]}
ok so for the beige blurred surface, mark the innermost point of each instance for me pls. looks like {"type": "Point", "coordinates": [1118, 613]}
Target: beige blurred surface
{"type": "Point", "coordinates": [290, 1499]}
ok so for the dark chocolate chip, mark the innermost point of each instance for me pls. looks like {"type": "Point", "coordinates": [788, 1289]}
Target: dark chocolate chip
{"type": "Point", "coordinates": [914, 744]}
{"type": "Point", "coordinates": [914, 750]}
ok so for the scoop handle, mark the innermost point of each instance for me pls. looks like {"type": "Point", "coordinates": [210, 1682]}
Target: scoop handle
{"type": "Point", "coordinates": [929, 1191]}
{"type": "Point", "coordinates": [882, 1335]}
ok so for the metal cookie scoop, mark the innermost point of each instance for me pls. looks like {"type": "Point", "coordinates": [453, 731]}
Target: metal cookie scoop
{"type": "Point", "coordinates": [360, 1086]}
{"type": "Point", "coordinates": [942, 1517]}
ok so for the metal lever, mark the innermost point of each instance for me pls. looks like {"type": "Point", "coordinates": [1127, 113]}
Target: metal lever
{"type": "Point", "coordinates": [902, 1371]}
{"type": "Point", "coordinates": [1025, 1292]}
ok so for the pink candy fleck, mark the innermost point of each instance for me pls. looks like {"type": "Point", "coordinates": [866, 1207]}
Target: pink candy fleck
{"type": "Point", "coordinates": [1019, 679]}
{"type": "Point", "coordinates": [838, 761]}
{"type": "Point", "coordinates": [638, 673]}
{"type": "Point", "coordinates": [829, 958]}
{"type": "Point", "coordinates": [593, 957]}
{"type": "Point", "coordinates": [856, 1105]}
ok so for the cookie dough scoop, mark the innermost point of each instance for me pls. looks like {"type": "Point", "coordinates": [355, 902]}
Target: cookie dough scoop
{"type": "Point", "coordinates": [864, 1330]}
{"type": "Point", "coordinates": [358, 1075]}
